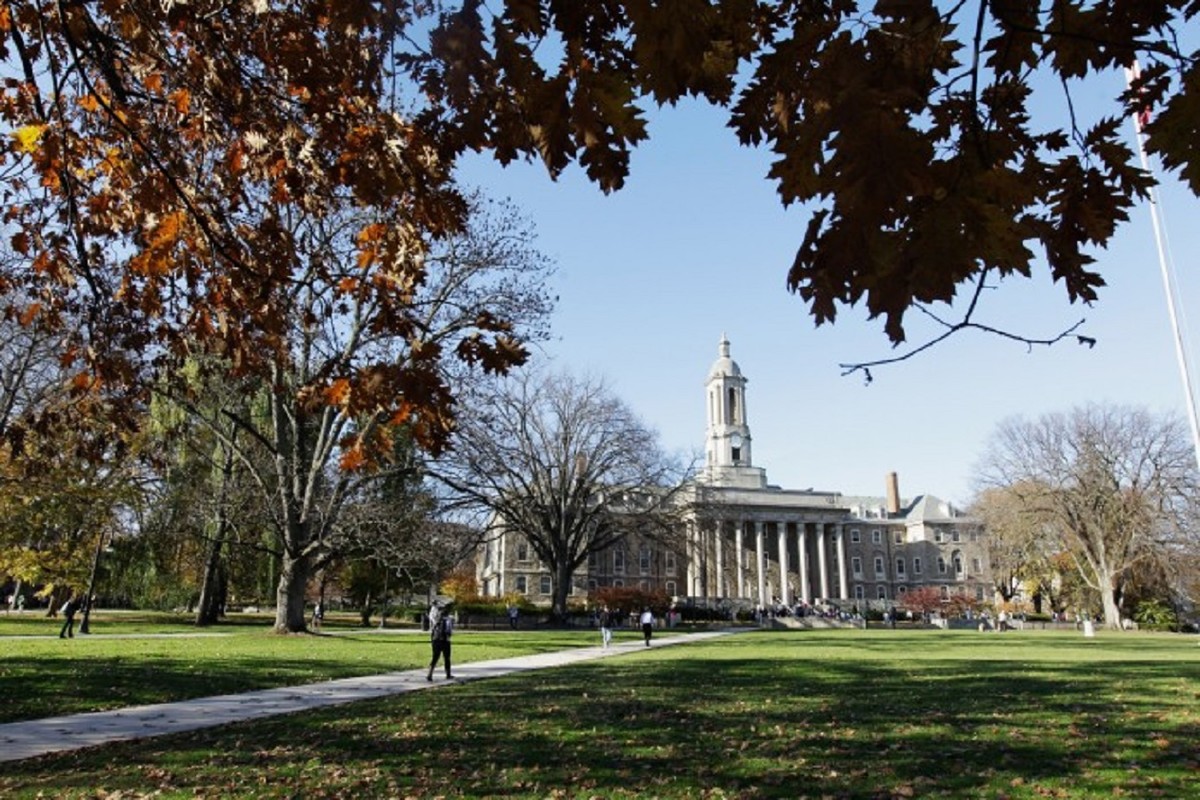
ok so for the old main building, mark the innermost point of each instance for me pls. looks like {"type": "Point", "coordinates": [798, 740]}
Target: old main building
{"type": "Point", "coordinates": [750, 543]}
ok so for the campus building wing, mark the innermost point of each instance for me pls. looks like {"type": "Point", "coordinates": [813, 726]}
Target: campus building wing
{"type": "Point", "coordinates": [747, 543]}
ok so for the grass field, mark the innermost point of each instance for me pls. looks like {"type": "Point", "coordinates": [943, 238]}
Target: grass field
{"type": "Point", "coordinates": [831, 714]}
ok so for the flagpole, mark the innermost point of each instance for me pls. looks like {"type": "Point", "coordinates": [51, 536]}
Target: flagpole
{"type": "Point", "coordinates": [1131, 74]}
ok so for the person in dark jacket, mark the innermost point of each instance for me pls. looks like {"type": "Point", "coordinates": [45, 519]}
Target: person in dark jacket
{"type": "Point", "coordinates": [441, 628]}
{"type": "Point", "coordinates": [68, 611]}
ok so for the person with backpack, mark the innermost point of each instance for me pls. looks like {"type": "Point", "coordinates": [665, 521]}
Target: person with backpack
{"type": "Point", "coordinates": [441, 628]}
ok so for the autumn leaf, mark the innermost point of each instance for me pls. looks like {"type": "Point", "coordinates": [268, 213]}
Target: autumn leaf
{"type": "Point", "coordinates": [338, 392]}
{"type": "Point", "coordinates": [27, 137]}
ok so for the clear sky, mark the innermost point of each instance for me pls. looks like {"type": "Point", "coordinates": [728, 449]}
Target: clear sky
{"type": "Point", "coordinates": [698, 245]}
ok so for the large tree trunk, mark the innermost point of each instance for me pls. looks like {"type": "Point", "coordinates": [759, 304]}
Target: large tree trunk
{"type": "Point", "coordinates": [561, 590]}
{"type": "Point", "coordinates": [1108, 597]}
{"type": "Point", "coordinates": [294, 575]}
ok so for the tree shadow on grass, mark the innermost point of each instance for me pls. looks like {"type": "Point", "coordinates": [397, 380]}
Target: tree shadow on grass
{"type": "Point", "coordinates": [665, 725]}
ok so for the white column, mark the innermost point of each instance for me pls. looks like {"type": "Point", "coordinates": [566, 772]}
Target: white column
{"type": "Point", "coordinates": [822, 561]}
{"type": "Point", "coordinates": [689, 575]}
{"type": "Point", "coordinates": [785, 592]}
{"type": "Point", "coordinates": [760, 556]}
{"type": "Point", "coordinates": [843, 587]}
{"type": "Point", "coordinates": [739, 580]}
{"type": "Point", "coordinates": [702, 557]}
{"type": "Point", "coordinates": [719, 543]}
{"type": "Point", "coordinates": [502, 567]}
{"type": "Point", "coordinates": [802, 549]}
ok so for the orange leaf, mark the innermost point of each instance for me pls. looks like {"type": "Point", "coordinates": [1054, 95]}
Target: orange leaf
{"type": "Point", "coordinates": [182, 100]}
{"type": "Point", "coordinates": [338, 393]}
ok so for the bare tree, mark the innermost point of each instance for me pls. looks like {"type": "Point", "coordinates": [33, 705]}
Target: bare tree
{"type": "Point", "coordinates": [567, 465]}
{"type": "Point", "coordinates": [1113, 484]}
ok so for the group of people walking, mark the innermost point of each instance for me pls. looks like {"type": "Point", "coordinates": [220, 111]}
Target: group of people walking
{"type": "Point", "coordinates": [607, 619]}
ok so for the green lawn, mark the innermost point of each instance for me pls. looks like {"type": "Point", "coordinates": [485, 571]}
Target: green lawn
{"type": "Point", "coordinates": [133, 659]}
{"type": "Point", "coordinates": [830, 714]}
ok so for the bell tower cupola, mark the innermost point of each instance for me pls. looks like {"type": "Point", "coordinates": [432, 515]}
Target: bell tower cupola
{"type": "Point", "coordinates": [728, 452]}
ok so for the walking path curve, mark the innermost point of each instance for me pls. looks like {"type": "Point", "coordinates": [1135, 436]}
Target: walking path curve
{"type": "Point", "coordinates": [30, 738]}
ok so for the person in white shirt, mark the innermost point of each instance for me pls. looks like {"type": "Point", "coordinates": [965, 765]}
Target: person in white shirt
{"type": "Point", "coordinates": [647, 620]}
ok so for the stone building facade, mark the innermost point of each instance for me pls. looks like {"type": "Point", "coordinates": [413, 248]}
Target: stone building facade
{"type": "Point", "coordinates": [748, 543]}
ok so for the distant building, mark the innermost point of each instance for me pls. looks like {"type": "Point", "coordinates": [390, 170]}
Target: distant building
{"type": "Point", "coordinates": [750, 543]}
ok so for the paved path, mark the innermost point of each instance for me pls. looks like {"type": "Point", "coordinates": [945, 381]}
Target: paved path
{"type": "Point", "coordinates": [19, 740]}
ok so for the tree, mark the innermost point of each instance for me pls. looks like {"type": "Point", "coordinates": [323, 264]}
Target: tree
{"type": "Point", "coordinates": [161, 158]}
{"type": "Point", "coordinates": [144, 133]}
{"type": "Point", "coordinates": [1016, 539]}
{"type": "Point", "coordinates": [1114, 485]}
{"type": "Point", "coordinates": [309, 441]}
{"type": "Point", "coordinates": [909, 126]}
{"type": "Point", "coordinates": [62, 504]}
{"type": "Point", "coordinates": [923, 600]}
{"type": "Point", "coordinates": [564, 464]}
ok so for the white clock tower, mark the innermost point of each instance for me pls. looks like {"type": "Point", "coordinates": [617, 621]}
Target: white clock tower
{"type": "Point", "coordinates": [728, 443]}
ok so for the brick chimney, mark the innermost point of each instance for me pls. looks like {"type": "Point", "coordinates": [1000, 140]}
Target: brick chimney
{"type": "Point", "coordinates": [893, 493]}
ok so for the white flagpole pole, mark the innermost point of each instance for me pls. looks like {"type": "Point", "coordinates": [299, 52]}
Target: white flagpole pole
{"type": "Point", "coordinates": [1130, 75]}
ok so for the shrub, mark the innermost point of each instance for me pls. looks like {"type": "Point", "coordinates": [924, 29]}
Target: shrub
{"type": "Point", "coordinates": [1155, 615]}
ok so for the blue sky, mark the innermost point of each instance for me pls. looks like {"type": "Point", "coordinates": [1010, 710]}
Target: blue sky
{"type": "Point", "coordinates": [697, 244]}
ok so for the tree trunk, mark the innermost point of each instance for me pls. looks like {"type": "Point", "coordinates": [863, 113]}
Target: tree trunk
{"type": "Point", "coordinates": [561, 590]}
{"type": "Point", "coordinates": [212, 589]}
{"type": "Point", "coordinates": [294, 575]}
{"type": "Point", "coordinates": [1112, 611]}
{"type": "Point", "coordinates": [208, 611]}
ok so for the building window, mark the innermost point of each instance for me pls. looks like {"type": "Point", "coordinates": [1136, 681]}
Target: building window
{"type": "Point", "coordinates": [900, 566]}
{"type": "Point", "coordinates": [956, 536]}
{"type": "Point", "coordinates": [876, 537]}
{"type": "Point", "coordinates": [901, 591]}
{"type": "Point", "coordinates": [669, 562]}
{"type": "Point", "coordinates": [945, 592]}
{"type": "Point", "coordinates": [644, 585]}
{"type": "Point", "coordinates": [881, 592]}
{"type": "Point", "coordinates": [545, 587]}
{"type": "Point", "coordinates": [644, 560]}
{"type": "Point", "coordinates": [941, 565]}
{"type": "Point", "coordinates": [522, 552]}
{"type": "Point", "coordinates": [593, 585]}
{"type": "Point", "coordinates": [878, 566]}
{"type": "Point", "coordinates": [854, 536]}
{"type": "Point", "coordinates": [619, 561]}
{"type": "Point", "coordinates": [958, 566]}
{"type": "Point", "coordinates": [938, 536]}
{"type": "Point", "coordinates": [975, 566]}
{"type": "Point", "coordinates": [898, 537]}
{"type": "Point", "coordinates": [858, 592]}
{"type": "Point", "coordinates": [522, 587]}
{"type": "Point", "coordinates": [671, 588]}
{"type": "Point", "coordinates": [856, 566]}
{"type": "Point", "coordinates": [618, 582]}
{"type": "Point", "coordinates": [593, 561]}
{"type": "Point", "coordinates": [979, 593]}
{"type": "Point", "coordinates": [917, 566]}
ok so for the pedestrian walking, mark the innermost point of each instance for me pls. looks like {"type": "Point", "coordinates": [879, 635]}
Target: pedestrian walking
{"type": "Point", "coordinates": [68, 611]}
{"type": "Point", "coordinates": [606, 626]}
{"type": "Point", "coordinates": [647, 620]}
{"type": "Point", "coordinates": [513, 616]}
{"type": "Point", "coordinates": [318, 616]}
{"type": "Point", "coordinates": [441, 628]}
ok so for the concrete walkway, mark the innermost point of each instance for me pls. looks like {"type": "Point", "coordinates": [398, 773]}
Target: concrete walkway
{"type": "Point", "coordinates": [20, 740]}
